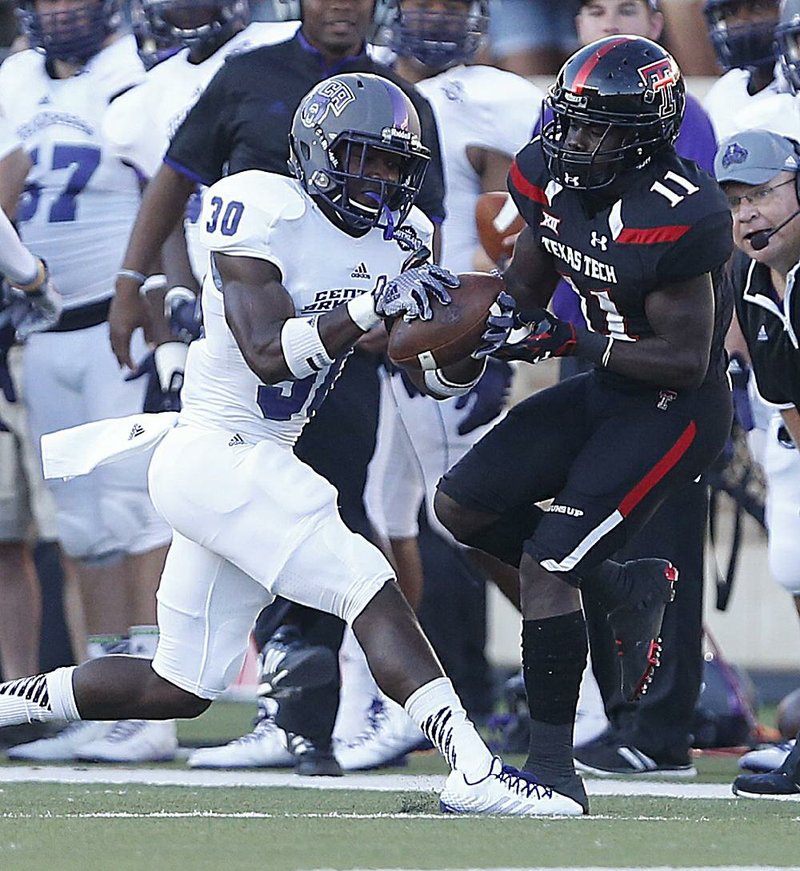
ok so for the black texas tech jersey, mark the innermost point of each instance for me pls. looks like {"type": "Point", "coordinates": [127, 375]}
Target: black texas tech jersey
{"type": "Point", "coordinates": [671, 223]}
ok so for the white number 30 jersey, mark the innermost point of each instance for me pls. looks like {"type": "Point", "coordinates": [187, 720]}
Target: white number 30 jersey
{"type": "Point", "coordinates": [269, 217]}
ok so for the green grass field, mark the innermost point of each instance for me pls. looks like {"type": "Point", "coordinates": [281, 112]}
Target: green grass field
{"type": "Point", "coordinates": [120, 826]}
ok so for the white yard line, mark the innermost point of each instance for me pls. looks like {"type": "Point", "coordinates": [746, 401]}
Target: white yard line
{"type": "Point", "coordinates": [382, 783]}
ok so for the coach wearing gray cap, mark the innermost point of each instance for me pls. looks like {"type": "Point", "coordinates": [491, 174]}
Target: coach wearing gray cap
{"type": "Point", "coordinates": [758, 170]}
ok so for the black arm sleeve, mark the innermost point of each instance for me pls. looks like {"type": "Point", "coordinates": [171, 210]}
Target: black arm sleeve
{"type": "Point", "coordinates": [201, 145]}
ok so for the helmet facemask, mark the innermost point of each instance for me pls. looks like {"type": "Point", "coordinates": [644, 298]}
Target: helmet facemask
{"type": "Point", "coordinates": [195, 22]}
{"type": "Point", "coordinates": [787, 37]}
{"type": "Point", "coordinates": [364, 201]}
{"type": "Point", "coordinates": [746, 44]}
{"type": "Point", "coordinates": [440, 39]}
{"type": "Point", "coordinates": [620, 147]}
{"type": "Point", "coordinates": [71, 35]}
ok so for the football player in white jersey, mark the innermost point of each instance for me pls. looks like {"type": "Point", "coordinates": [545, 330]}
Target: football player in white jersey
{"type": "Point", "coordinates": [140, 123]}
{"type": "Point", "coordinates": [76, 207]}
{"type": "Point", "coordinates": [252, 521]}
{"type": "Point", "coordinates": [484, 115]}
{"type": "Point", "coordinates": [742, 33]}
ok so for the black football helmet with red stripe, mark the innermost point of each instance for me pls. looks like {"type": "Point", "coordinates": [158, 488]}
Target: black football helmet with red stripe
{"type": "Point", "coordinates": [629, 92]}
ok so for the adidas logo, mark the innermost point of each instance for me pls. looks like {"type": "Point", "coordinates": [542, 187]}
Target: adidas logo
{"type": "Point", "coordinates": [136, 430]}
{"type": "Point", "coordinates": [762, 334]}
{"type": "Point", "coordinates": [236, 440]}
{"type": "Point", "coordinates": [361, 271]}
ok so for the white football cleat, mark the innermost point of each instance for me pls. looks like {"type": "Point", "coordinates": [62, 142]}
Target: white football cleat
{"type": "Point", "coordinates": [64, 746]}
{"type": "Point", "coordinates": [505, 791]}
{"type": "Point", "coordinates": [133, 741]}
{"type": "Point", "coordinates": [264, 747]}
{"type": "Point", "coordinates": [388, 735]}
{"type": "Point", "coordinates": [766, 758]}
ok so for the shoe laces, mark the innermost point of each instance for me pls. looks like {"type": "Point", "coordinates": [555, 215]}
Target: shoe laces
{"type": "Point", "coordinates": [124, 729]}
{"type": "Point", "coordinates": [522, 784]}
{"type": "Point", "coordinates": [262, 727]}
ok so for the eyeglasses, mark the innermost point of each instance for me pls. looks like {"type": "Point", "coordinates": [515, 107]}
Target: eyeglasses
{"type": "Point", "coordinates": [756, 198]}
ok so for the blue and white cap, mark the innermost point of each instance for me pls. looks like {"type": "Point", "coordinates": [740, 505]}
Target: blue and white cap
{"type": "Point", "coordinates": [755, 157]}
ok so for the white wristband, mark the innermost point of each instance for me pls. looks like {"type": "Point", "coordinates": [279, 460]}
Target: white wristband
{"type": "Point", "coordinates": [155, 282]}
{"type": "Point", "coordinates": [362, 312]}
{"type": "Point", "coordinates": [438, 385]}
{"type": "Point", "coordinates": [302, 347]}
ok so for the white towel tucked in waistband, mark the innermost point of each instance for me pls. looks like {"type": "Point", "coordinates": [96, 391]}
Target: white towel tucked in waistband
{"type": "Point", "coordinates": [68, 453]}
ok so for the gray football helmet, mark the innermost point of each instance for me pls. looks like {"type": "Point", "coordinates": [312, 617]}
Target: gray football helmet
{"type": "Point", "coordinates": [787, 38]}
{"type": "Point", "coordinates": [345, 116]}
{"type": "Point", "coordinates": [439, 38]}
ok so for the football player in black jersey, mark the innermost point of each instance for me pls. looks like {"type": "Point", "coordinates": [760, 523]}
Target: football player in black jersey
{"type": "Point", "coordinates": [636, 232]}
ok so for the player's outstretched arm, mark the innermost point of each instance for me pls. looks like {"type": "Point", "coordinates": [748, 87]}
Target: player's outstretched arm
{"type": "Point", "coordinates": [275, 344]}
{"type": "Point", "coordinates": [161, 210]}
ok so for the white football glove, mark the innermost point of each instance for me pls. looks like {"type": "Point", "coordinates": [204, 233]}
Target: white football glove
{"type": "Point", "coordinates": [410, 293]}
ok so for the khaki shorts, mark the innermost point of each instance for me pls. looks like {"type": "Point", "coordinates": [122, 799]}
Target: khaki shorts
{"type": "Point", "coordinates": [27, 509]}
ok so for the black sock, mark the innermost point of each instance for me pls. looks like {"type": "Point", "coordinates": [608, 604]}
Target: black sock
{"type": "Point", "coordinates": [553, 655]}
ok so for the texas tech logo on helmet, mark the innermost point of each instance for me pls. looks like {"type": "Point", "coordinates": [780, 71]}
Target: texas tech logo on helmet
{"type": "Point", "coordinates": [332, 96]}
{"type": "Point", "coordinates": [660, 77]}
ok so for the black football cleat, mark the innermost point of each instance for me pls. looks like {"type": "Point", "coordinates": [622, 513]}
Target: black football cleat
{"type": "Point", "coordinates": [782, 783]}
{"type": "Point", "coordinates": [288, 665]}
{"type": "Point", "coordinates": [313, 760]}
{"type": "Point", "coordinates": [636, 623]}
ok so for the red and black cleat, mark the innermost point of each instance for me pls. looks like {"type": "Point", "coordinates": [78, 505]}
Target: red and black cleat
{"type": "Point", "coordinates": [636, 624]}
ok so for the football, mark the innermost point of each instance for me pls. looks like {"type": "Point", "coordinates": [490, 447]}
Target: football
{"type": "Point", "coordinates": [453, 332]}
{"type": "Point", "coordinates": [499, 223]}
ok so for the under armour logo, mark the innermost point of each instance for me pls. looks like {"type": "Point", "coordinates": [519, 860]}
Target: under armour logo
{"type": "Point", "coordinates": [599, 241]}
{"type": "Point", "coordinates": [136, 430]}
{"type": "Point", "coordinates": [664, 399]}
{"type": "Point", "coordinates": [571, 180]}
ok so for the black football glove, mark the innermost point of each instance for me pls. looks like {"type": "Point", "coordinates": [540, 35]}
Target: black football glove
{"type": "Point", "coordinates": [499, 324]}
{"type": "Point", "coordinates": [409, 294]}
{"type": "Point", "coordinates": [538, 335]}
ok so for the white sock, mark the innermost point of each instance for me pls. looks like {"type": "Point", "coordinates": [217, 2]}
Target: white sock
{"type": "Point", "coordinates": [39, 698]}
{"type": "Point", "coordinates": [438, 711]}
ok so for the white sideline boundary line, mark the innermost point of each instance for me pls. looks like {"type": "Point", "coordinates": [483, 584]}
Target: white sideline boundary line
{"type": "Point", "coordinates": [380, 783]}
